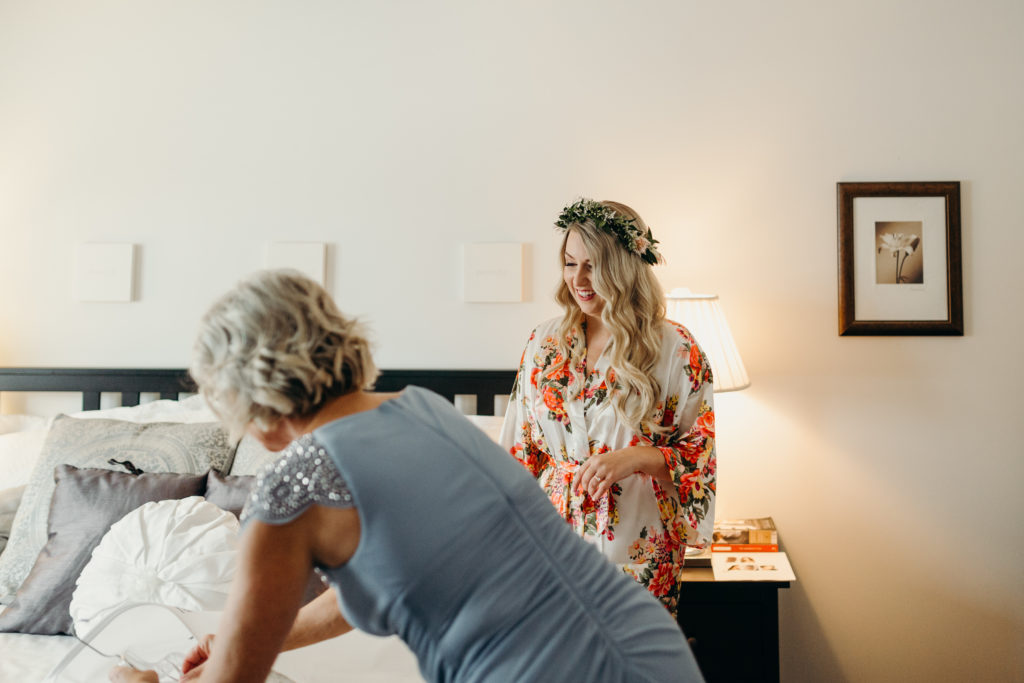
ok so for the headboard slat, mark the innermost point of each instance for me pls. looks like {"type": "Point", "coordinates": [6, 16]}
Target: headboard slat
{"type": "Point", "coordinates": [90, 400]}
{"type": "Point", "coordinates": [92, 382]}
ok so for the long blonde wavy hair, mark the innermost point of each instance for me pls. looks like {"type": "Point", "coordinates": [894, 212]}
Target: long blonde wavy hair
{"type": "Point", "coordinates": [634, 309]}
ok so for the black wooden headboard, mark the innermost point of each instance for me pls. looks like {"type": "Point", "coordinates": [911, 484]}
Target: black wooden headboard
{"type": "Point", "coordinates": [168, 383]}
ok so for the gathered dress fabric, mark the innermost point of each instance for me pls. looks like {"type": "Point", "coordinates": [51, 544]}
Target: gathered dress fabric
{"type": "Point", "coordinates": [559, 415]}
{"type": "Point", "coordinates": [462, 555]}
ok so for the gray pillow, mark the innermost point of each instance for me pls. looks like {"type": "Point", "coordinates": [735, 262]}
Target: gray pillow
{"type": "Point", "coordinates": [152, 447]}
{"type": "Point", "coordinates": [86, 502]}
{"type": "Point", "coordinates": [228, 492]}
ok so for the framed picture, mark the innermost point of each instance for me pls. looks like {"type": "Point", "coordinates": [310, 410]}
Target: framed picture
{"type": "Point", "coordinates": [899, 259]}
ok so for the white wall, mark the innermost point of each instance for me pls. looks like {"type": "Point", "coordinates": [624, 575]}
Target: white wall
{"type": "Point", "coordinates": [395, 131]}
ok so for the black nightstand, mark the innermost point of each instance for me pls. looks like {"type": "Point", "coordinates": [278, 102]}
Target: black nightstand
{"type": "Point", "coordinates": [734, 626]}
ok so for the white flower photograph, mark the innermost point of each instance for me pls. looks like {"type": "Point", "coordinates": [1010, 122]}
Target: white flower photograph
{"type": "Point", "coordinates": [899, 259]}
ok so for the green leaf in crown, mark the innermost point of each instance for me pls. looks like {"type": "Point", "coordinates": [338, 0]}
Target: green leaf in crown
{"type": "Point", "coordinates": [623, 229]}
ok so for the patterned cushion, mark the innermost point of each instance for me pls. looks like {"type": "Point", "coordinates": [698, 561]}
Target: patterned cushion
{"type": "Point", "coordinates": [251, 457]}
{"type": "Point", "coordinates": [152, 447]}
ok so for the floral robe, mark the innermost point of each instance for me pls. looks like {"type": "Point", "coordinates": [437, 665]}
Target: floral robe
{"type": "Point", "coordinates": [559, 415]}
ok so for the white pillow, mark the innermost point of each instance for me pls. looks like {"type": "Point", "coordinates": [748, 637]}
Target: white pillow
{"type": "Point", "coordinates": [490, 424]}
{"type": "Point", "coordinates": [20, 423]}
{"type": "Point", "coordinates": [191, 409]}
{"type": "Point", "coordinates": [19, 452]}
{"type": "Point", "coordinates": [177, 553]}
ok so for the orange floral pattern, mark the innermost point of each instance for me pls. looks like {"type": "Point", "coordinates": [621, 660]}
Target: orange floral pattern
{"type": "Point", "coordinates": [559, 415]}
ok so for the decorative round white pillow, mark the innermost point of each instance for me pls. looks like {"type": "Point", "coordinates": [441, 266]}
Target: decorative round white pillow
{"type": "Point", "coordinates": [178, 553]}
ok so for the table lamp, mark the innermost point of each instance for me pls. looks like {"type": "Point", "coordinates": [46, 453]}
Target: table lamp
{"type": "Point", "coordinates": [703, 316]}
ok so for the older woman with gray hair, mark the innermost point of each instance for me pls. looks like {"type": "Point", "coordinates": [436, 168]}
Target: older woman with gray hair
{"type": "Point", "coordinates": [423, 527]}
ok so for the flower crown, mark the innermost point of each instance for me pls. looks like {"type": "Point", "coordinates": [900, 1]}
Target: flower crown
{"type": "Point", "coordinates": [624, 229]}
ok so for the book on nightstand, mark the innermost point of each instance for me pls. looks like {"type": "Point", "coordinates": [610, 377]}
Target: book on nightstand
{"type": "Point", "coordinates": [756, 535]}
{"type": "Point", "coordinates": [751, 566]}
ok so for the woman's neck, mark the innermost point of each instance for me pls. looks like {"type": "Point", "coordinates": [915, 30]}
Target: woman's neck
{"type": "Point", "coordinates": [595, 329]}
{"type": "Point", "coordinates": [597, 336]}
{"type": "Point", "coordinates": [336, 408]}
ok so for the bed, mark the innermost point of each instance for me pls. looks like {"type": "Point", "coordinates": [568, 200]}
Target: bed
{"type": "Point", "coordinates": [63, 478]}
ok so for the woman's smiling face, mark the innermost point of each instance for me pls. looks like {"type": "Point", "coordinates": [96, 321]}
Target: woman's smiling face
{"type": "Point", "coordinates": [577, 271]}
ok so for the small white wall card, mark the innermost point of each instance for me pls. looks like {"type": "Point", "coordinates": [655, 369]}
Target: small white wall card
{"type": "Point", "coordinates": [309, 258]}
{"type": "Point", "coordinates": [493, 272]}
{"type": "Point", "coordinates": [104, 272]}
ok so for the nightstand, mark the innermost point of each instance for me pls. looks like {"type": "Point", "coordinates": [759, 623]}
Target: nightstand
{"type": "Point", "coordinates": [734, 626]}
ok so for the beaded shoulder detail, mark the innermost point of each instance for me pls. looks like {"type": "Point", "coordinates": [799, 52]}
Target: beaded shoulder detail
{"type": "Point", "coordinates": [302, 476]}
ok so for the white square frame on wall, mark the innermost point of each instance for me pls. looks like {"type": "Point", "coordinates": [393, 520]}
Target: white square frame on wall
{"type": "Point", "coordinates": [868, 304]}
{"type": "Point", "coordinates": [492, 272]}
{"type": "Point", "coordinates": [104, 272]}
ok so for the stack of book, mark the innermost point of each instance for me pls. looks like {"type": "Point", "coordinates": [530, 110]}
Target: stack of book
{"type": "Point", "coordinates": [745, 536]}
{"type": "Point", "coordinates": [748, 550]}
{"type": "Point", "coordinates": [756, 535]}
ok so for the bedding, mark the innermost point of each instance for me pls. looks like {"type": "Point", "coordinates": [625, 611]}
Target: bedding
{"type": "Point", "coordinates": [25, 443]}
{"type": "Point", "coordinates": [153, 447]}
{"type": "Point", "coordinates": [19, 452]}
{"type": "Point", "coordinates": [228, 492]}
{"type": "Point", "coordinates": [177, 553]}
{"type": "Point", "coordinates": [29, 658]}
{"type": "Point", "coordinates": [21, 423]}
{"type": "Point", "coordinates": [9, 501]}
{"type": "Point", "coordinates": [363, 658]}
{"type": "Point", "coordinates": [86, 502]}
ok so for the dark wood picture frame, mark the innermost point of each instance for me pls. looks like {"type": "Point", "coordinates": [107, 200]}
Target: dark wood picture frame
{"type": "Point", "coordinates": [849, 322]}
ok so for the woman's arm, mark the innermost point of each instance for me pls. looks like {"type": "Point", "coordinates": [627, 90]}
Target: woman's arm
{"type": "Point", "coordinates": [520, 434]}
{"type": "Point", "coordinates": [274, 562]}
{"type": "Point", "coordinates": [319, 620]}
{"type": "Point", "coordinates": [597, 474]}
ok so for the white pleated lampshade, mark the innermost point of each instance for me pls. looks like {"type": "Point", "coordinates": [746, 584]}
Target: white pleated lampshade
{"type": "Point", "coordinates": [703, 316]}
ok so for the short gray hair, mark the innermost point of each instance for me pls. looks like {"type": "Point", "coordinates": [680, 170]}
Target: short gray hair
{"type": "Point", "coordinates": [277, 346]}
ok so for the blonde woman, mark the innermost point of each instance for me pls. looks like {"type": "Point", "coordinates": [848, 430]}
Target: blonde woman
{"type": "Point", "coordinates": [612, 409]}
{"type": "Point", "coordinates": [420, 524]}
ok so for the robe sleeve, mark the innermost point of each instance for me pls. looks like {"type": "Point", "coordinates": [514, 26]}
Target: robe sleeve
{"type": "Point", "coordinates": [520, 434]}
{"type": "Point", "coordinates": [689, 444]}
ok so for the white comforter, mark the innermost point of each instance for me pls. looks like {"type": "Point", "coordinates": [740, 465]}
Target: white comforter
{"type": "Point", "coordinates": [30, 658]}
{"type": "Point", "coordinates": [353, 657]}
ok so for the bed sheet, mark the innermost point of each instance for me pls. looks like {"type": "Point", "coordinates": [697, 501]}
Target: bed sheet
{"type": "Point", "coordinates": [361, 657]}
{"type": "Point", "coordinates": [30, 658]}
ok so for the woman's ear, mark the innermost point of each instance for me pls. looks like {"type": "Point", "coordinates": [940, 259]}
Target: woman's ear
{"type": "Point", "coordinates": [277, 437]}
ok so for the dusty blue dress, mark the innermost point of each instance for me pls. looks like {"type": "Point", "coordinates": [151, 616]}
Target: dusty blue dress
{"type": "Point", "coordinates": [463, 556]}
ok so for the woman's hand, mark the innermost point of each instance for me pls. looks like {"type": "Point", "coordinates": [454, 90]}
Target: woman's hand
{"type": "Point", "coordinates": [126, 674]}
{"type": "Point", "coordinates": [193, 664]}
{"type": "Point", "coordinates": [600, 471]}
